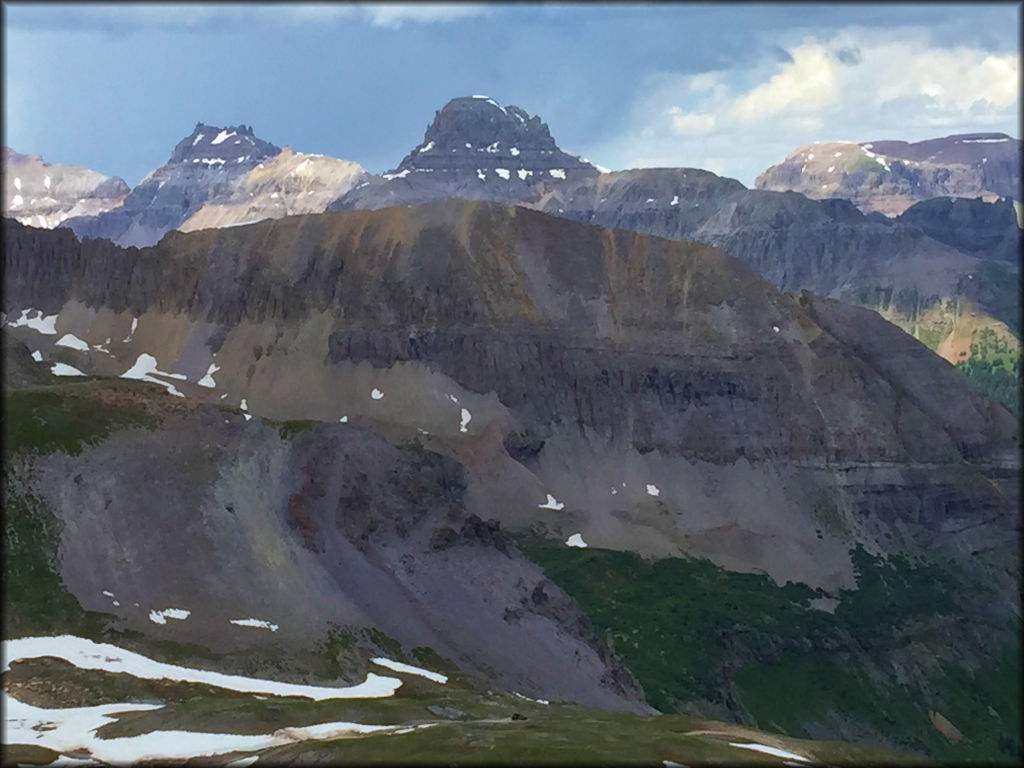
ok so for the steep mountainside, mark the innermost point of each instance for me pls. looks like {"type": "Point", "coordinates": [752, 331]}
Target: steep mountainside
{"type": "Point", "coordinates": [475, 149]}
{"type": "Point", "coordinates": [911, 270]}
{"type": "Point", "coordinates": [207, 162]}
{"type": "Point", "coordinates": [577, 386]}
{"type": "Point", "coordinates": [890, 176]}
{"type": "Point", "coordinates": [44, 195]}
{"type": "Point", "coordinates": [286, 184]}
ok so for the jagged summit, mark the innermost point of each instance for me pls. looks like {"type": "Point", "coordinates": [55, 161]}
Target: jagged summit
{"type": "Point", "coordinates": [472, 132]}
{"type": "Point", "coordinates": [474, 148]}
{"type": "Point", "coordinates": [215, 146]}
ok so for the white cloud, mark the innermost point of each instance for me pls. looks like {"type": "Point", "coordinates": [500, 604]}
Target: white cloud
{"type": "Point", "coordinates": [804, 85]}
{"type": "Point", "coordinates": [394, 15]}
{"type": "Point", "coordinates": [737, 123]}
{"type": "Point", "coordinates": [691, 122]}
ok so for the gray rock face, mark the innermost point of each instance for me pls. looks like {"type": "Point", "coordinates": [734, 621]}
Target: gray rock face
{"type": "Point", "coordinates": [206, 163]}
{"type": "Point", "coordinates": [44, 195]}
{"type": "Point", "coordinates": [890, 176]}
{"type": "Point", "coordinates": [476, 149]}
{"type": "Point", "coordinates": [986, 230]}
{"type": "Point", "coordinates": [827, 246]}
{"type": "Point", "coordinates": [330, 526]}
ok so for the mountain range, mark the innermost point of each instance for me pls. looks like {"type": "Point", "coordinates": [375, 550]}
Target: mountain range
{"type": "Point", "coordinates": [596, 445]}
{"type": "Point", "coordinates": [890, 176]}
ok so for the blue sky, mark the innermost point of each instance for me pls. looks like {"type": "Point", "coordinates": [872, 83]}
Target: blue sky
{"type": "Point", "coordinates": [730, 88]}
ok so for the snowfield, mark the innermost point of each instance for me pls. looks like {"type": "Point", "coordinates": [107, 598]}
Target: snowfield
{"type": "Point", "coordinates": [86, 654]}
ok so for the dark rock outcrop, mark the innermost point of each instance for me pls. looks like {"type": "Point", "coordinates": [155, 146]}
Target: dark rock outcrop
{"type": "Point", "coordinates": [476, 149]}
{"type": "Point", "coordinates": [986, 230]}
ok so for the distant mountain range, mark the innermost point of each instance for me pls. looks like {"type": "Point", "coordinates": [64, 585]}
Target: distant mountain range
{"type": "Point", "coordinates": [941, 271]}
{"type": "Point", "coordinates": [220, 177]}
{"type": "Point", "coordinates": [520, 440]}
{"type": "Point", "coordinates": [42, 194]}
{"type": "Point", "coordinates": [890, 176]}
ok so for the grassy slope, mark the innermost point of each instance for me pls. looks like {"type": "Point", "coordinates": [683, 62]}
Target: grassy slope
{"type": "Point", "coordinates": [690, 630]}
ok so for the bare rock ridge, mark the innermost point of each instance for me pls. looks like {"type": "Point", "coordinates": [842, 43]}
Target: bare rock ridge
{"type": "Point", "coordinates": [208, 159]}
{"type": "Point", "coordinates": [491, 363]}
{"type": "Point", "coordinates": [890, 176]}
{"type": "Point", "coordinates": [220, 177]}
{"type": "Point", "coordinates": [44, 194]}
{"type": "Point", "coordinates": [903, 267]}
{"type": "Point", "coordinates": [287, 184]}
{"type": "Point", "coordinates": [474, 148]}
{"type": "Point", "coordinates": [580, 353]}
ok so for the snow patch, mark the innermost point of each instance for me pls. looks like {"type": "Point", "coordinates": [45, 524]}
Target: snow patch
{"type": "Point", "coordinates": [161, 617]}
{"type": "Point", "coordinates": [652, 490]}
{"type": "Point", "coordinates": [551, 503]}
{"type": "Point", "coordinates": [60, 369]}
{"type": "Point", "coordinates": [514, 151]}
{"type": "Point", "coordinates": [492, 148]}
{"type": "Point", "coordinates": [46, 182]}
{"type": "Point", "coordinates": [17, 183]}
{"type": "Point", "coordinates": [37, 356]}
{"type": "Point", "coordinates": [523, 173]}
{"type": "Point", "coordinates": [503, 172]}
{"type": "Point", "coordinates": [16, 201]}
{"type": "Point", "coordinates": [466, 416]}
{"type": "Point", "coordinates": [108, 593]}
{"type": "Point", "coordinates": [45, 325]}
{"type": "Point", "coordinates": [258, 623]}
{"type": "Point", "coordinates": [207, 380]}
{"type": "Point", "coordinates": [480, 175]}
{"type": "Point", "coordinates": [72, 341]}
{"type": "Point", "coordinates": [86, 654]}
{"type": "Point", "coordinates": [838, 154]}
{"type": "Point", "coordinates": [343, 420]}
{"type": "Point", "coordinates": [398, 666]}
{"type": "Point", "coordinates": [539, 701]}
{"type": "Point", "coordinates": [675, 200]}
{"type": "Point", "coordinates": [830, 169]}
{"type": "Point", "coordinates": [223, 135]}
{"type": "Point", "coordinates": [400, 175]}
{"type": "Point", "coordinates": [197, 139]}
{"type": "Point", "coordinates": [576, 540]}
{"type": "Point", "coordinates": [376, 394]}
{"type": "Point", "coordinates": [557, 173]}
{"type": "Point", "coordinates": [768, 750]}
{"type": "Point", "coordinates": [983, 141]}
{"type": "Point", "coordinates": [144, 365]}
{"type": "Point", "coordinates": [429, 146]}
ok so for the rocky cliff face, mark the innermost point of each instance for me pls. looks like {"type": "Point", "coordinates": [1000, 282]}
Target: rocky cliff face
{"type": "Point", "coordinates": [986, 229]}
{"type": "Point", "coordinates": [205, 164]}
{"type": "Point", "coordinates": [44, 194]}
{"type": "Point", "coordinates": [287, 184]}
{"type": "Point", "coordinates": [573, 349]}
{"type": "Point", "coordinates": [890, 176]}
{"type": "Point", "coordinates": [912, 270]}
{"type": "Point", "coordinates": [610, 387]}
{"type": "Point", "coordinates": [474, 148]}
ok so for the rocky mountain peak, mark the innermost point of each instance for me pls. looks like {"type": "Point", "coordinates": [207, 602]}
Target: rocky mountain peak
{"type": "Point", "coordinates": [475, 134]}
{"type": "Point", "coordinates": [477, 149]}
{"type": "Point", "coordinates": [214, 146]}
